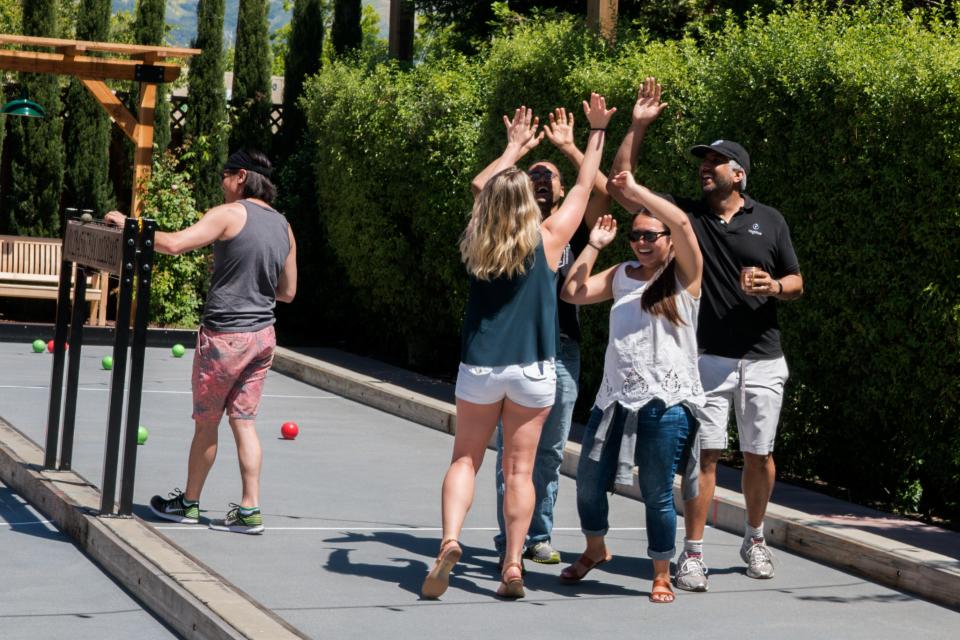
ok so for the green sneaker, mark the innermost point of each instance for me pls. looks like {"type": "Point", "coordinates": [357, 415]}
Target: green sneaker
{"type": "Point", "coordinates": [542, 553]}
{"type": "Point", "coordinates": [239, 522]}
{"type": "Point", "coordinates": [174, 508]}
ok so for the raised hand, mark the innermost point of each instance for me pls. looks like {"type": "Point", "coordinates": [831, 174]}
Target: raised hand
{"type": "Point", "coordinates": [648, 107]}
{"type": "Point", "coordinates": [522, 130]}
{"type": "Point", "coordinates": [596, 111]}
{"type": "Point", "coordinates": [560, 130]}
{"type": "Point", "coordinates": [604, 232]}
{"type": "Point", "coordinates": [625, 182]}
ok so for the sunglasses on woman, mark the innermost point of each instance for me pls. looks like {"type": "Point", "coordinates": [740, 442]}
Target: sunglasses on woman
{"type": "Point", "coordinates": [648, 236]}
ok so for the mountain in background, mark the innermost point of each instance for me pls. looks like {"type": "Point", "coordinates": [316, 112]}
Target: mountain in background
{"type": "Point", "coordinates": [182, 18]}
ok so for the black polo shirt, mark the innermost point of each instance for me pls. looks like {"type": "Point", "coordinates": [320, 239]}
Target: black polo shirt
{"type": "Point", "coordinates": [731, 323]}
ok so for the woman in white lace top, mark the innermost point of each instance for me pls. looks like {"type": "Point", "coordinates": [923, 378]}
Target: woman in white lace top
{"type": "Point", "coordinates": [650, 375]}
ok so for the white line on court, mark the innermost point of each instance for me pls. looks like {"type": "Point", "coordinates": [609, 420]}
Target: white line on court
{"type": "Point", "coordinates": [20, 524]}
{"type": "Point", "coordinates": [185, 393]}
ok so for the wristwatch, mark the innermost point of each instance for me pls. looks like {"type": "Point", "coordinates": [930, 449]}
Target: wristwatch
{"type": "Point", "coordinates": [779, 293]}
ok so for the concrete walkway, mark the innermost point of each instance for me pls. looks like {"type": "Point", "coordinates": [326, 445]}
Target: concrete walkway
{"type": "Point", "coordinates": [352, 515]}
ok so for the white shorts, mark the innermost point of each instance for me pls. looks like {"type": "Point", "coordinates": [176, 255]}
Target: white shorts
{"type": "Point", "coordinates": [529, 385]}
{"type": "Point", "coordinates": [754, 388]}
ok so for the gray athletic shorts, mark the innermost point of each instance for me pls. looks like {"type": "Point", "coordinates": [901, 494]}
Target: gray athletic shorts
{"type": "Point", "coordinates": [754, 388]}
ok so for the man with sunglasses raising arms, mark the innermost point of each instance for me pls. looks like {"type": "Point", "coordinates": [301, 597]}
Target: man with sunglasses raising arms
{"type": "Point", "coordinates": [749, 264]}
{"type": "Point", "coordinates": [549, 192]}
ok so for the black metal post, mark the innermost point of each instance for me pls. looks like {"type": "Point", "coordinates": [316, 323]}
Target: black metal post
{"type": "Point", "coordinates": [56, 378]}
{"type": "Point", "coordinates": [137, 351]}
{"type": "Point", "coordinates": [108, 487]}
{"type": "Point", "coordinates": [73, 368]}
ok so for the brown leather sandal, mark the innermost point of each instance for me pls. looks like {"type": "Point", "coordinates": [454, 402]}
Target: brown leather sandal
{"type": "Point", "coordinates": [661, 593]}
{"type": "Point", "coordinates": [511, 587]}
{"type": "Point", "coordinates": [579, 569]}
{"type": "Point", "coordinates": [438, 579]}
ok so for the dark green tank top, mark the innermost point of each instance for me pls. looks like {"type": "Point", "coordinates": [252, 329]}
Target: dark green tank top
{"type": "Point", "coordinates": [512, 320]}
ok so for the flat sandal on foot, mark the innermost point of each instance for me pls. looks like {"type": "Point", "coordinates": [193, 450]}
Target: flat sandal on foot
{"type": "Point", "coordinates": [579, 569]}
{"type": "Point", "coordinates": [438, 579]}
{"type": "Point", "coordinates": [511, 587]}
{"type": "Point", "coordinates": [661, 592]}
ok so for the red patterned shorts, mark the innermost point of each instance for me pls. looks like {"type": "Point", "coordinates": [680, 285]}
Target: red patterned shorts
{"type": "Point", "coordinates": [229, 370]}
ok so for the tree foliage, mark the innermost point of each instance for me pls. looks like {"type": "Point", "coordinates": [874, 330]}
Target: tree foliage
{"type": "Point", "coordinates": [149, 28]}
{"type": "Point", "coordinates": [35, 145]}
{"type": "Point", "coordinates": [86, 132]}
{"type": "Point", "coordinates": [346, 33]}
{"type": "Point", "coordinates": [207, 112]}
{"type": "Point", "coordinates": [251, 100]}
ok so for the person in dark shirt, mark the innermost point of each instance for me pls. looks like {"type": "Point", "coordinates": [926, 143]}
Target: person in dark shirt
{"type": "Point", "coordinates": [749, 265]}
{"type": "Point", "coordinates": [549, 192]}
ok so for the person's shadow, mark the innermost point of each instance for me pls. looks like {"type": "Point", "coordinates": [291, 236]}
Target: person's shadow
{"type": "Point", "coordinates": [408, 573]}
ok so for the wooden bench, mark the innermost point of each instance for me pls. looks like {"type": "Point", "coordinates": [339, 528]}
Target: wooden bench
{"type": "Point", "coordinates": [30, 268]}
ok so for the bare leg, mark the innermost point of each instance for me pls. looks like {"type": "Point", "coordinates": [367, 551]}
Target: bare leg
{"type": "Point", "coordinates": [521, 436]}
{"type": "Point", "coordinates": [251, 457]}
{"type": "Point", "coordinates": [759, 475]}
{"type": "Point", "coordinates": [203, 453]}
{"type": "Point", "coordinates": [695, 511]}
{"type": "Point", "coordinates": [475, 425]}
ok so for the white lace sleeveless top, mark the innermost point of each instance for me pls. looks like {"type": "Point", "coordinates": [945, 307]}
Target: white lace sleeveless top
{"type": "Point", "coordinates": [648, 357]}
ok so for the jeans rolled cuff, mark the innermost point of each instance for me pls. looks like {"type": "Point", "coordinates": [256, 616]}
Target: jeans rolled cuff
{"type": "Point", "coordinates": [595, 532]}
{"type": "Point", "coordinates": [661, 555]}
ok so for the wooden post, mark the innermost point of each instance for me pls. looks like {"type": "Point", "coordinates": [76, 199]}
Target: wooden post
{"type": "Point", "coordinates": [602, 17]}
{"type": "Point", "coordinates": [401, 29]}
{"type": "Point", "coordinates": [143, 139]}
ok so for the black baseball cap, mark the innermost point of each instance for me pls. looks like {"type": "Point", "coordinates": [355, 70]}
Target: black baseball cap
{"type": "Point", "coordinates": [728, 149]}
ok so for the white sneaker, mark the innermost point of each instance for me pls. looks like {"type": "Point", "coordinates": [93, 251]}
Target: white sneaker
{"type": "Point", "coordinates": [758, 557]}
{"type": "Point", "coordinates": [691, 572]}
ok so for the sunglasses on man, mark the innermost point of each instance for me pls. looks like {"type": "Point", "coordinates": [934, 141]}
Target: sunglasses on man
{"type": "Point", "coordinates": [648, 236]}
{"type": "Point", "coordinates": [540, 174]}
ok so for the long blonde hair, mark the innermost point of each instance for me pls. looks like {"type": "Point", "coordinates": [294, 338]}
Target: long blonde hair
{"type": "Point", "coordinates": [504, 228]}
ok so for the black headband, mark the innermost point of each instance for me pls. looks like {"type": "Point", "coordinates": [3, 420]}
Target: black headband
{"type": "Point", "coordinates": [242, 160]}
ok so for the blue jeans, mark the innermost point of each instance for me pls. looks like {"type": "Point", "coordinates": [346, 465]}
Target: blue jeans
{"type": "Point", "coordinates": [661, 437]}
{"type": "Point", "coordinates": [553, 438]}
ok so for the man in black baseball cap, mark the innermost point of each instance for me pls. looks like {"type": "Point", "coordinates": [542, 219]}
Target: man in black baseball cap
{"type": "Point", "coordinates": [741, 364]}
{"type": "Point", "coordinates": [728, 149]}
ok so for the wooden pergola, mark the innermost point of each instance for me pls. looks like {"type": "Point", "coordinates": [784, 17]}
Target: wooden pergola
{"type": "Point", "coordinates": [145, 64]}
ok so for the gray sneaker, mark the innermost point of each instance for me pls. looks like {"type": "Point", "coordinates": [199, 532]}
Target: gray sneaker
{"type": "Point", "coordinates": [691, 573]}
{"type": "Point", "coordinates": [542, 553]}
{"type": "Point", "coordinates": [758, 557]}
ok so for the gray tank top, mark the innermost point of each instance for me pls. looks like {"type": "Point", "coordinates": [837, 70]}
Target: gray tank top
{"type": "Point", "coordinates": [246, 270]}
{"type": "Point", "coordinates": [512, 320]}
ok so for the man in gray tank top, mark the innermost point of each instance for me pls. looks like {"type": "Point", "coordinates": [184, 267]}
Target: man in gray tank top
{"type": "Point", "coordinates": [254, 266]}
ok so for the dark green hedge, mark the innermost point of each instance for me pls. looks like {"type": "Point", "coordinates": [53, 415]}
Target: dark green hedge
{"type": "Point", "coordinates": [852, 122]}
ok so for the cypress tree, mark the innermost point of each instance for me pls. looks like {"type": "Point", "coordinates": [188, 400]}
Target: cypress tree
{"type": "Point", "coordinates": [86, 180]}
{"type": "Point", "coordinates": [303, 60]}
{"type": "Point", "coordinates": [207, 106]}
{"type": "Point", "coordinates": [346, 32]}
{"type": "Point", "coordinates": [148, 28]}
{"type": "Point", "coordinates": [35, 145]}
{"type": "Point", "coordinates": [252, 101]}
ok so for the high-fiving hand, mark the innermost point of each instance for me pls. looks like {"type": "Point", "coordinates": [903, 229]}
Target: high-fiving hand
{"type": "Point", "coordinates": [604, 232]}
{"type": "Point", "coordinates": [648, 107]}
{"type": "Point", "coordinates": [560, 130]}
{"type": "Point", "coordinates": [596, 111]}
{"type": "Point", "coordinates": [522, 129]}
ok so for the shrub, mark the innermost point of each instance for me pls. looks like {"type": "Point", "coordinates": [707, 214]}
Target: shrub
{"type": "Point", "coordinates": [851, 119]}
{"type": "Point", "coordinates": [179, 282]}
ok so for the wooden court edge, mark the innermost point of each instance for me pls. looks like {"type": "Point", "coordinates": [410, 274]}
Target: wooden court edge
{"type": "Point", "coordinates": [183, 592]}
{"type": "Point", "coordinates": [891, 563]}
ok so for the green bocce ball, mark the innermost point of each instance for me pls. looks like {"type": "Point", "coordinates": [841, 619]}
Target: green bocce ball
{"type": "Point", "coordinates": [142, 435]}
{"type": "Point", "coordinates": [107, 363]}
{"type": "Point", "coordinates": [178, 351]}
{"type": "Point", "coordinates": [39, 346]}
